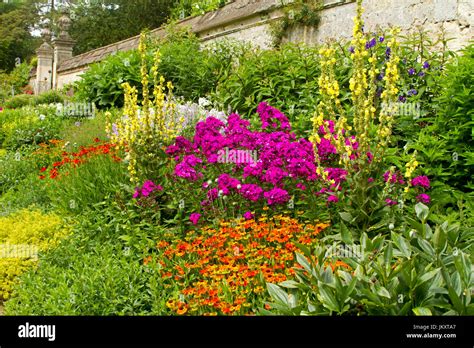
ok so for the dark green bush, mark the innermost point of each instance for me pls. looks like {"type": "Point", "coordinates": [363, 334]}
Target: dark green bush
{"type": "Point", "coordinates": [193, 71]}
{"type": "Point", "coordinates": [286, 78]}
{"type": "Point", "coordinates": [445, 142]}
{"type": "Point", "coordinates": [101, 84]}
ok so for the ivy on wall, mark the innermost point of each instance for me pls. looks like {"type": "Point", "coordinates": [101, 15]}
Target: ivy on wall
{"type": "Point", "coordinates": [295, 13]}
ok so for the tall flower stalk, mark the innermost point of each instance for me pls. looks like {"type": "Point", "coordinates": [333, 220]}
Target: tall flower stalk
{"type": "Point", "coordinates": [146, 129]}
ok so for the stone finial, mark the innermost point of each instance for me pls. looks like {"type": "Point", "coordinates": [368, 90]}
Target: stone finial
{"type": "Point", "coordinates": [64, 25]}
{"type": "Point", "coordinates": [46, 35]}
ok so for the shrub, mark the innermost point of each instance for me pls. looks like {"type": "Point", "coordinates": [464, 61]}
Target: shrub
{"type": "Point", "coordinates": [286, 78]}
{"type": "Point", "coordinates": [28, 126]}
{"type": "Point", "coordinates": [22, 234]}
{"type": "Point", "coordinates": [19, 101]}
{"type": "Point", "coordinates": [193, 71]}
{"type": "Point", "coordinates": [101, 83]}
{"type": "Point", "coordinates": [453, 127]}
{"type": "Point", "coordinates": [50, 97]}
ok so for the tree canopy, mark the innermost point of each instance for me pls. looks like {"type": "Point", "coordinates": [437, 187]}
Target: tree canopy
{"type": "Point", "coordinates": [99, 23]}
{"type": "Point", "coordinates": [17, 19]}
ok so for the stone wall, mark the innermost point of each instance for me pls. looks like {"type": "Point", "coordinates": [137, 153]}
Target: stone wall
{"type": "Point", "coordinates": [249, 20]}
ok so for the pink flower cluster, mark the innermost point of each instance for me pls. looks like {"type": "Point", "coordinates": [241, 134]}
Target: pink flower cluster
{"type": "Point", "coordinates": [282, 159]}
{"type": "Point", "coordinates": [147, 188]}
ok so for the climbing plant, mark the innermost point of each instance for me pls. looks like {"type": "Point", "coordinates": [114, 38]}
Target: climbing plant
{"type": "Point", "coordinates": [296, 13]}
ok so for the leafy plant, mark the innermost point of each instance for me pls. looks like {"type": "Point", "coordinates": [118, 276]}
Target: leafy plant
{"type": "Point", "coordinates": [422, 271]}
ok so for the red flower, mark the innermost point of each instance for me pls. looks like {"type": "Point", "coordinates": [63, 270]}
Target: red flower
{"type": "Point", "coordinates": [43, 169]}
{"type": "Point", "coordinates": [97, 140]}
{"type": "Point", "coordinates": [41, 177]}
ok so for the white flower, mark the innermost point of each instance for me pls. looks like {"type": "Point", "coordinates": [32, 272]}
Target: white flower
{"type": "Point", "coordinates": [239, 187]}
{"type": "Point", "coordinates": [209, 182]}
{"type": "Point", "coordinates": [412, 233]}
{"type": "Point", "coordinates": [204, 102]}
{"type": "Point", "coordinates": [42, 117]}
{"type": "Point", "coordinates": [220, 193]}
{"type": "Point", "coordinates": [391, 226]}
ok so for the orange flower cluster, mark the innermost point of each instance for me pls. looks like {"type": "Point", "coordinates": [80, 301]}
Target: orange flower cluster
{"type": "Point", "coordinates": [224, 271]}
{"type": "Point", "coordinates": [75, 158]}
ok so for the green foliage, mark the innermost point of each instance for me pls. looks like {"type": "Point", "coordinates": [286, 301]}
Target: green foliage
{"type": "Point", "coordinates": [49, 97]}
{"type": "Point", "coordinates": [454, 124]}
{"type": "Point", "coordinates": [286, 78]}
{"type": "Point", "coordinates": [101, 84]}
{"type": "Point", "coordinates": [28, 126]}
{"type": "Point", "coordinates": [22, 235]}
{"type": "Point", "coordinates": [193, 71]}
{"type": "Point", "coordinates": [19, 101]}
{"type": "Point", "coordinates": [96, 24]}
{"type": "Point", "coordinates": [423, 271]}
{"type": "Point", "coordinates": [186, 8]}
{"type": "Point", "coordinates": [93, 272]}
{"type": "Point", "coordinates": [91, 182]}
{"type": "Point", "coordinates": [296, 13]}
{"type": "Point", "coordinates": [16, 19]}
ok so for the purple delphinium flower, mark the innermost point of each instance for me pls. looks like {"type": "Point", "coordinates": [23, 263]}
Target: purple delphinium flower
{"type": "Point", "coordinates": [426, 65]}
{"type": "Point", "coordinates": [421, 74]}
{"type": "Point", "coordinates": [411, 71]}
{"type": "Point", "coordinates": [381, 39]}
{"type": "Point", "coordinates": [423, 198]}
{"type": "Point", "coordinates": [388, 52]}
{"type": "Point", "coordinates": [371, 43]}
{"type": "Point", "coordinates": [402, 99]}
{"type": "Point", "coordinates": [412, 92]}
{"type": "Point", "coordinates": [352, 49]}
{"type": "Point", "coordinates": [194, 218]}
{"type": "Point", "coordinates": [422, 181]}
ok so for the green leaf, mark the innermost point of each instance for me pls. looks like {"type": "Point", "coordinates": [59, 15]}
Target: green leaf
{"type": "Point", "coordinates": [290, 284]}
{"type": "Point", "coordinates": [327, 298]}
{"type": "Point", "coordinates": [346, 216]}
{"type": "Point", "coordinates": [303, 262]}
{"type": "Point", "coordinates": [278, 294]}
{"type": "Point", "coordinates": [383, 292]}
{"type": "Point", "coordinates": [422, 311]}
{"type": "Point", "coordinates": [346, 235]}
{"type": "Point", "coordinates": [422, 212]}
{"type": "Point", "coordinates": [427, 276]}
{"type": "Point", "coordinates": [440, 239]}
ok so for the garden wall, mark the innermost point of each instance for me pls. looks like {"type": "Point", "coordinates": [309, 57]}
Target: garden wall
{"type": "Point", "coordinates": [249, 20]}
